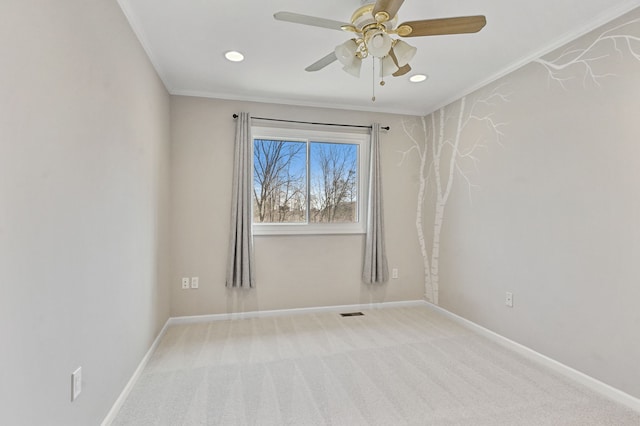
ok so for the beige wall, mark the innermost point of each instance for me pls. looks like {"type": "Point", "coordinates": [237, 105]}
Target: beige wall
{"type": "Point", "coordinates": [293, 271]}
{"type": "Point", "coordinates": [84, 143]}
{"type": "Point", "coordinates": [554, 212]}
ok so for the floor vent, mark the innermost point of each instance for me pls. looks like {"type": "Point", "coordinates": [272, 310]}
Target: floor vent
{"type": "Point", "coordinates": [352, 314]}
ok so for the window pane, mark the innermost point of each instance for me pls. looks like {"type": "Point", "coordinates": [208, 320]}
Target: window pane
{"type": "Point", "coordinates": [279, 181]}
{"type": "Point", "coordinates": [334, 182]}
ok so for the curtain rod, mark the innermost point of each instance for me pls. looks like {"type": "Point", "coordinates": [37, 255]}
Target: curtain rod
{"type": "Point", "coordinates": [310, 122]}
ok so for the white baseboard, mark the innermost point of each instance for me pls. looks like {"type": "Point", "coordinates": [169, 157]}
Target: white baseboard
{"type": "Point", "coordinates": [296, 311]}
{"type": "Point", "coordinates": [111, 415]}
{"type": "Point", "coordinates": [589, 382]}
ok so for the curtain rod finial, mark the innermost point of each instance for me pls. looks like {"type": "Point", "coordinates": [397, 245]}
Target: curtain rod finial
{"type": "Point", "coordinates": [235, 115]}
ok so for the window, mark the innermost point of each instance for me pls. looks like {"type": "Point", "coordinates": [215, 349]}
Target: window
{"type": "Point", "coordinates": [308, 182]}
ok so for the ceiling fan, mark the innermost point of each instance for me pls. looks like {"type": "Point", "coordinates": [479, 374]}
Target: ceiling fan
{"type": "Point", "coordinates": [372, 26]}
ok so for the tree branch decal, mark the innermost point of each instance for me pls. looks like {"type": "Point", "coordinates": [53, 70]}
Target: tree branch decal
{"type": "Point", "coordinates": [620, 40]}
{"type": "Point", "coordinates": [440, 144]}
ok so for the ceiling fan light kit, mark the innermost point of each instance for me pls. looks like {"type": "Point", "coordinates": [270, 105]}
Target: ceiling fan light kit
{"type": "Point", "coordinates": [354, 68]}
{"type": "Point", "coordinates": [377, 42]}
{"type": "Point", "coordinates": [374, 24]}
{"type": "Point", "coordinates": [404, 52]}
{"type": "Point", "coordinates": [347, 56]}
{"type": "Point", "coordinates": [388, 66]}
{"type": "Point", "coordinates": [346, 52]}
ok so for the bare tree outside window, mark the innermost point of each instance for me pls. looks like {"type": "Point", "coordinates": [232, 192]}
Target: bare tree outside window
{"type": "Point", "coordinates": [304, 182]}
{"type": "Point", "coordinates": [334, 183]}
{"type": "Point", "coordinates": [279, 181]}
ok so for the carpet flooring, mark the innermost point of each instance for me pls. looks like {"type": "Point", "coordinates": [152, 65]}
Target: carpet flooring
{"type": "Point", "coordinates": [392, 366]}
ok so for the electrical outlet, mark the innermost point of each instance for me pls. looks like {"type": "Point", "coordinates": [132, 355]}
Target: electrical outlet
{"type": "Point", "coordinates": [195, 282]}
{"type": "Point", "coordinates": [394, 273]}
{"type": "Point", "coordinates": [185, 283]}
{"type": "Point", "coordinates": [508, 299]}
{"type": "Point", "coordinates": [76, 383]}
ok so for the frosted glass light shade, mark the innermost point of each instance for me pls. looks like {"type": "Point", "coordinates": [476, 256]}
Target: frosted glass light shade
{"type": "Point", "coordinates": [378, 43]}
{"type": "Point", "coordinates": [387, 66]}
{"type": "Point", "coordinates": [346, 52]}
{"type": "Point", "coordinates": [404, 52]}
{"type": "Point", "coordinates": [354, 67]}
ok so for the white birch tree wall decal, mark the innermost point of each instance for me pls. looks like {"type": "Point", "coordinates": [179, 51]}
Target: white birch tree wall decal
{"type": "Point", "coordinates": [439, 142]}
{"type": "Point", "coordinates": [620, 39]}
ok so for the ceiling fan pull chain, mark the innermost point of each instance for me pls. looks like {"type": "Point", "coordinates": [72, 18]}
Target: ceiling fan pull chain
{"type": "Point", "coordinates": [373, 79]}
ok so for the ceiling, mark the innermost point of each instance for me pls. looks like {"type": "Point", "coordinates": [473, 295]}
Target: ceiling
{"type": "Point", "coordinates": [186, 41]}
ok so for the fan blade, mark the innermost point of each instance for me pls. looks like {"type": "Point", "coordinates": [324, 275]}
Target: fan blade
{"type": "Point", "coordinates": [296, 18]}
{"type": "Point", "coordinates": [430, 27]}
{"type": "Point", "coordinates": [318, 65]}
{"type": "Point", "coordinates": [389, 6]}
{"type": "Point", "coordinates": [402, 71]}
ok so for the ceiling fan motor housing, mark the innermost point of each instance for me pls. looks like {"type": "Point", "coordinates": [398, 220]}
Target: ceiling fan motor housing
{"type": "Point", "coordinates": [363, 17]}
{"type": "Point", "coordinates": [377, 41]}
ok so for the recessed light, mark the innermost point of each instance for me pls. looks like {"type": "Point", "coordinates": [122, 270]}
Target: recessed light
{"type": "Point", "coordinates": [417, 78]}
{"type": "Point", "coordinates": [234, 56]}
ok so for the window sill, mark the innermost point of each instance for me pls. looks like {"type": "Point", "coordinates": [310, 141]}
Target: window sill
{"type": "Point", "coordinates": [305, 229]}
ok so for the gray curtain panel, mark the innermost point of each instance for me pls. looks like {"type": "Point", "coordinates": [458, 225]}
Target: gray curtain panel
{"type": "Point", "coordinates": [240, 266]}
{"type": "Point", "coordinates": [375, 257]}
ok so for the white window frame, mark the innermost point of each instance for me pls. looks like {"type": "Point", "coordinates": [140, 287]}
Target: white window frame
{"type": "Point", "coordinates": [356, 137]}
